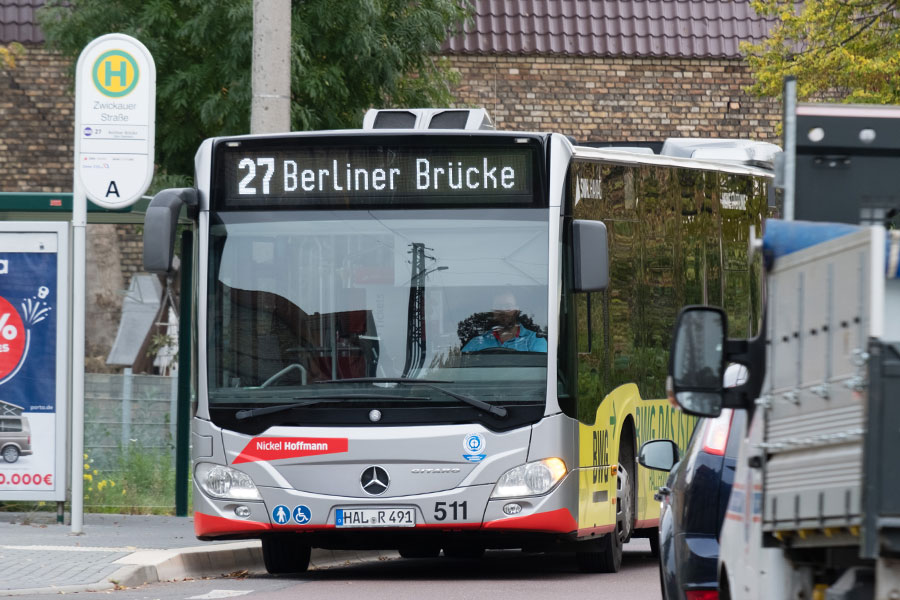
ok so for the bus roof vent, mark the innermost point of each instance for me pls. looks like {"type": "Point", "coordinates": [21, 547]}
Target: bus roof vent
{"type": "Point", "coordinates": [392, 119]}
{"type": "Point", "coordinates": [427, 118]}
{"type": "Point", "coordinates": [746, 152]}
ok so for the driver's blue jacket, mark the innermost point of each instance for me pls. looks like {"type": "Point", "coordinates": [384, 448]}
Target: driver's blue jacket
{"type": "Point", "coordinates": [526, 340]}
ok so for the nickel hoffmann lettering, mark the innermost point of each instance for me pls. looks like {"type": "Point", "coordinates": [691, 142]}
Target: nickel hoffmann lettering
{"type": "Point", "coordinates": [275, 445]}
{"type": "Point", "coordinates": [428, 175]}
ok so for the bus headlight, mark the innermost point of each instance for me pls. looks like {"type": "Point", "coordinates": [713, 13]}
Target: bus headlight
{"type": "Point", "coordinates": [225, 483]}
{"type": "Point", "coordinates": [530, 479]}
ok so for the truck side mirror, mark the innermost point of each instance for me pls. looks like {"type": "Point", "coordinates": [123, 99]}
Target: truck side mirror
{"type": "Point", "coordinates": [160, 223]}
{"type": "Point", "coordinates": [591, 256]}
{"type": "Point", "coordinates": [659, 455]}
{"type": "Point", "coordinates": [697, 360]}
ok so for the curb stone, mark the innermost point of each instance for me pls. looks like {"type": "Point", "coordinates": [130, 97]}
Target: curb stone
{"type": "Point", "coordinates": [153, 566]}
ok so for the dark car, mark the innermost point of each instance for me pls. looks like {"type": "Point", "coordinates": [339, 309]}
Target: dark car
{"type": "Point", "coordinates": [693, 503]}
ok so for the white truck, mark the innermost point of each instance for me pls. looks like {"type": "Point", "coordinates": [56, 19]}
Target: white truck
{"type": "Point", "coordinates": [814, 511]}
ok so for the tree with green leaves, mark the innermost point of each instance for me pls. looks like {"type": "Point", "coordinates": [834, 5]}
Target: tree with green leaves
{"type": "Point", "coordinates": [347, 56]}
{"type": "Point", "coordinates": [850, 48]}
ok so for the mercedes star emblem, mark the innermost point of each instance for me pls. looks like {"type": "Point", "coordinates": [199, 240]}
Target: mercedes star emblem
{"type": "Point", "coordinates": [374, 415]}
{"type": "Point", "coordinates": [375, 481]}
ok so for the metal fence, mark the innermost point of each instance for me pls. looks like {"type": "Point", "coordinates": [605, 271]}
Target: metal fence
{"type": "Point", "coordinates": [129, 441]}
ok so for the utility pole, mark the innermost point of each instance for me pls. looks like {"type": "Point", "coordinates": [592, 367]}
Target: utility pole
{"type": "Point", "coordinates": [270, 110]}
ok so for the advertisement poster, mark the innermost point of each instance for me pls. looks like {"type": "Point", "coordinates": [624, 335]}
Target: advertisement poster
{"type": "Point", "coordinates": [32, 349]}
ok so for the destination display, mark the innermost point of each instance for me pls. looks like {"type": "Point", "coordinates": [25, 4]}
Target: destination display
{"type": "Point", "coordinates": [376, 174]}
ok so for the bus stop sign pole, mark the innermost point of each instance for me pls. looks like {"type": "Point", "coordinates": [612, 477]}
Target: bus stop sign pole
{"type": "Point", "coordinates": [115, 117]}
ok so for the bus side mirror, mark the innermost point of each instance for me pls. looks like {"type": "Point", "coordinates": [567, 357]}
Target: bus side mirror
{"type": "Point", "coordinates": [591, 260]}
{"type": "Point", "coordinates": [697, 360]}
{"type": "Point", "coordinates": [159, 227]}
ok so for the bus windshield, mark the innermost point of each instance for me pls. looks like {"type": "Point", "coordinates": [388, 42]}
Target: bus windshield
{"type": "Point", "coordinates": [457, 297]}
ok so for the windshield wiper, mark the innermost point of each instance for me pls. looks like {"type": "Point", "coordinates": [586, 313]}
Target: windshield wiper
{"type": "Point", "coordinates": [497, 411]}
{"type": "Point", "coordinates": [268, 410]}
{"type": "Point", "coordinates": [382, 380]}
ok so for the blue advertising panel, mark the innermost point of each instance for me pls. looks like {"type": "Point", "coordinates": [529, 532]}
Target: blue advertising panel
{"type": "Point", "coordinates": [32, 360]}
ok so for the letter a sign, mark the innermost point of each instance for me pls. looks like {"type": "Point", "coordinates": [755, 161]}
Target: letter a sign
{"type": "Point", "coordinates": [115, 117]}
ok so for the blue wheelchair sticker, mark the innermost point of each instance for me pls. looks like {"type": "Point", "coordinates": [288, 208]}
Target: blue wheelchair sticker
{"type": "Point", "coordinates": [302, 514]}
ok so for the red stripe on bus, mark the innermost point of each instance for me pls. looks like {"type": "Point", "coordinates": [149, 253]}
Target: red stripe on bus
{"type": "Point", "coordinates": [212, 525]}
{"type": "Point", "coordinates": [555, 521]}
{"type": "Point", "coordinates": [332, 526]}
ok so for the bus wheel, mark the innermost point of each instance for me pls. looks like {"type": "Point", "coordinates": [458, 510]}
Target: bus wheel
{"type": "Point", "coordinates": [419, 551]}
{"type": "Point", "coordinates": [606, 557]}
{"type": "Point", "coordinates": [625, 490]}
{"type": "Point", "coordinates": [285, 553]}
{"type": "Point", "coordinates": [10, 454]}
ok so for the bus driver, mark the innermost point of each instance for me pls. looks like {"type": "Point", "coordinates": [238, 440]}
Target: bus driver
{"type": "Point", "coordinates": [507, 332]}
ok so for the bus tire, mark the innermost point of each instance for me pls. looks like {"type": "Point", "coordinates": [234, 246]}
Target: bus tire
{"type": "Point", "coordinates": [285, 553]}
{"type": "Point", "coordinates": [608, 557]}
{"type": "Point", "coordinates": [605, 557]}
{"type": "Point", "coordinates": [626, 488]}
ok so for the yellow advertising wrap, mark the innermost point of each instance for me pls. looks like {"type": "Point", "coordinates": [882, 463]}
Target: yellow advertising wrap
{"type": "Point", "coordinates": [623, 410]}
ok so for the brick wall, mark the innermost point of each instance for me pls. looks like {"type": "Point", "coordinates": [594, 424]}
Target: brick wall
{"type": "Point", "coordinates": [131, 249]}
{"type": "Point", "coordinates": [36, 120]}
{"type": "Point", "coordinates": [592, 99]}
{"type": "Point", "coordinates": [616, 99]}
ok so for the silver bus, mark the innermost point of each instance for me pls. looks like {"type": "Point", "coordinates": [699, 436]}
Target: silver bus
{"type": "Point", "coordinates": [431, 336]}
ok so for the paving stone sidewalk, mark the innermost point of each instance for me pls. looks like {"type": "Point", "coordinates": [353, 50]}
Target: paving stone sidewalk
{"type": "Point", "coordinates": [37, 555]}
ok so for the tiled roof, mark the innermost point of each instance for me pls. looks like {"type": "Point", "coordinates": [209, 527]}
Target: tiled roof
{"type": "Point", "coordinates": [636, 28]}
{"type": "Point", "coordinates": [18, 22]}
{"type": "Point", "coordinates": [651, 28]}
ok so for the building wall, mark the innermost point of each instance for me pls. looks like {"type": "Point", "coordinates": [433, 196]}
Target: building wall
{"type": "Point", "coordinates": [36, 120]}
{"type": "Point", "coordinates": [589, 98]}
{"type": "Point", "coordinates": [617, 99]}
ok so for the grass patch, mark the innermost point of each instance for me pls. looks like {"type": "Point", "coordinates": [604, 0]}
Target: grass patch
{"type": "Point", "coordinates": [142, 482]}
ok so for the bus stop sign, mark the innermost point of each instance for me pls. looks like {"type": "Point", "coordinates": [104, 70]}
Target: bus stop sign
{"type": "Point", "coordinates": [115, 115]}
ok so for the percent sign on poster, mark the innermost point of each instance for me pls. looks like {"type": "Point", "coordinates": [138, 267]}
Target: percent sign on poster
{"type": "Point", "coordinates": [12, 338]}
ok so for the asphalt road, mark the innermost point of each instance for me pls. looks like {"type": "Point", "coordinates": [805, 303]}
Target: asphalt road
{"type": "Point", "coordinates": [499, 575]}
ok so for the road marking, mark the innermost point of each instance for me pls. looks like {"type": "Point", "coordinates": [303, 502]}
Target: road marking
{"type": "Point", "coordinates": [220, 594]}
{"type": "Point", "coordinates": [73, 548]}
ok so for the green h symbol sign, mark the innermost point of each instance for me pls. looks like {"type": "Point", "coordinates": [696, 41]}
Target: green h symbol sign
{"type": "Point", "coordinates": [121, 72]}
{"type": "Point", "coordinates": [111, 74]}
